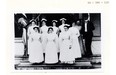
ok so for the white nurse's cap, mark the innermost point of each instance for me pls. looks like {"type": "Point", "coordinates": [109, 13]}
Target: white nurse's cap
{"type": "Point", "coordinates": [62, 19]}
{"type": "Point", "coordinates": [54, 21]}
{"type": "Point", "coordinates": [43, 19]}
{"type": "Point", "coordinates": [67, 25]}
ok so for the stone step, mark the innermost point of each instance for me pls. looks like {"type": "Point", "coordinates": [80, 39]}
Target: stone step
{"type": "Point", "coordinates": [77, 65]}
{"type": "Point", "coordinates": [83, 63]}
{"type": "Point", "coordinates": [92, 60]}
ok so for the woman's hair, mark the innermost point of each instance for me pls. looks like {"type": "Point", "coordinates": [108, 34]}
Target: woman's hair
{"type": "Point", "coordinates": [49, 29]}
{"type": "Point", "coordinates": [37, 29]}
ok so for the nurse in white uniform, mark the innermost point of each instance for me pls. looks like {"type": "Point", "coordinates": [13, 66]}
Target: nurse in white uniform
{"type": "Point", "coordinates": [66, 54]}
{"type": "Point", "coordinates": [51, 56]}
{"type": "Point", "coordinates": [54, 26]}
{"type": "Point", "coordinates": [55, 31]}
{"type": "Point", "coordinates": [61, 27]}
{"type": "Point", "coordinates": [36, 52]}
{"type": "Point", "coordinates": [44, 30]}
{"type": "Point", "coordinates": [30, 31]}
{"type": "Point", "coordinates": [74, 34]}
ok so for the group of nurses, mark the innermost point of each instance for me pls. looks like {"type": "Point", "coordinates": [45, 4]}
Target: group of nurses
{"type": "Point", "coordinates": [51, 40]}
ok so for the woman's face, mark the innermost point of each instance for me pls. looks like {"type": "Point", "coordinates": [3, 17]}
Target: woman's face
{"type": "Point", "coordinates": [50, 31]}
{"type": "Point", "coordinates": [43, 23]}
{"type": "Point", "coordinates": [54, 24]}
{"type": "Point", "coordinates": [63, 22]}
{"type": "Point", "coordinates": [33, 23]}
{"type": "Point", "coordinates": [36, 30]}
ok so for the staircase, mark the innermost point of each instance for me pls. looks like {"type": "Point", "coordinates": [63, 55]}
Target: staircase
{"type": "Point", "coordinates": [22, 63]}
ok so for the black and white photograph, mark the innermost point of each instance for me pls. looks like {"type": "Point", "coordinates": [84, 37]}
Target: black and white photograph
{"type": "Point", "coordinates": [57, 41]}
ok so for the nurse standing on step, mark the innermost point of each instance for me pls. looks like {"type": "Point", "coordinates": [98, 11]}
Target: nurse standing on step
{"type": "Point", "coordinates": [44, 30]}
{"type": "Point", "coordinates": [75, 41]}
{"type": "Point", "coordinates": [51, 56]}
{"type": "Point", "coordinates": [66, 54]}
{"type": "Point", "coordinates": [55, 31]}
{"type": "Point", "coordinates": [36, 52]}
{"type": "Point", "coordinates": [30, 31]}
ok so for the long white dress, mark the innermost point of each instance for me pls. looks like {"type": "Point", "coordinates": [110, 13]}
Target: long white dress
{"type": "Point", "coordinates": [61, 28]}
{"type": "Point", "coordinates": [75, 41]}
{"type": "Point", "coordinates": [35, 52]}
{"type": "Point", "coordinates": [51, 55]}
{"type": "Point", "coordinates": [66, 54]}
{"type": "Point", "coordinates": [30, 31]}
{"type": "Point", "coordinates": [44, 30]}
{"type": "Point", "coordinates": [56, 33]}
